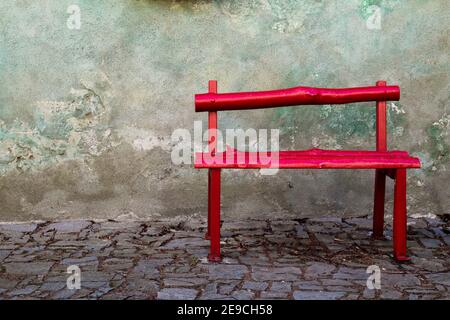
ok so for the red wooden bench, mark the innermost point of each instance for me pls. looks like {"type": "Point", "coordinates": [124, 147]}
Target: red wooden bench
{"type": "Point", "coordinates": [386, 163]}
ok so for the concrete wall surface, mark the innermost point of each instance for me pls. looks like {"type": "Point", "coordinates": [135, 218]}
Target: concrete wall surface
{"type": "Point", "coordinates": [91, 92]}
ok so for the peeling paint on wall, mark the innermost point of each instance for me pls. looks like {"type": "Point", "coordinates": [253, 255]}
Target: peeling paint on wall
{"type": "Point", "coordinates": [439, 147]}
{"type": "Point", "coordinates": [386, 5]}
{"type": "Point", "coordinates": [61, 130]}
{"type": "Point", "coordinates": [144, 140]}
{"type": "Point", "coordinates": [336, 125]}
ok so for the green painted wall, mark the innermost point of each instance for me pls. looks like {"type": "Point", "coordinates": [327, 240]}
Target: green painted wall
{"type": "Point", "coordinates": [86, 115]}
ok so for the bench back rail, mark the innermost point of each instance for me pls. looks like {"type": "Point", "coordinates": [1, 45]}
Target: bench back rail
{"type": "Point", "coordinates": [213, 101]}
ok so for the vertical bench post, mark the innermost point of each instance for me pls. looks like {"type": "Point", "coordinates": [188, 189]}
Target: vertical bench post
{"type": "Point", "coordinates": [380, 174]}
{"type": "Point", "coordinates": [213, 233]}
{"type": "Point", "coordinates": [399, 224]}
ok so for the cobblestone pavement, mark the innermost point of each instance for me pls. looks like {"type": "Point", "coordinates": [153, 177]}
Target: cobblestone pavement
{"type": "Point", "coordinates": [279, 259]}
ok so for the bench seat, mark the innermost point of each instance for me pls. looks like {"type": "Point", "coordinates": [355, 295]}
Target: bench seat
{"type": "Point", "coordinates": [309, 159]}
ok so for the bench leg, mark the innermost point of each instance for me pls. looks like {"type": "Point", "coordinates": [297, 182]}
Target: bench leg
{"type": "Point", "coordinates": [214, 216]}
{"type": "Point", "coordinates": [378, 204]}
{"type": "Point", "coordinates": [399, 225]}
{"type": "Point", "coordinates": [208, 232]}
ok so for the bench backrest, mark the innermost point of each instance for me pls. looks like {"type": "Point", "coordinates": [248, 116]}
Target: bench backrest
{"type": "Point", "coordinates": [213, 102]}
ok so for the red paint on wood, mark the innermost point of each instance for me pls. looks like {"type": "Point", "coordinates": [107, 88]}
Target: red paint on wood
{"type": "Point", "coordinates": [212, 143]}
{"type": "Point", "coordinates": [378, 205]}
{"type": "Point", "coordinates": [381, 122]}
{"type": "Point", "coordinates": [386, 163]}
{"type": "Point", "coordinates": [293, 96]}
{"type": "Point", "coordinates": [308, 159]}
{"type": "Point", "coordinates": [380, 175]}
{"type": "Point", "coordinates": [399, 223]}
{"type": "Point", "coordinates": [214, 253]}
{"type": "Point", "coordinates": [212, 121]}
{"type": "Point", "coordinates": [208, 231]}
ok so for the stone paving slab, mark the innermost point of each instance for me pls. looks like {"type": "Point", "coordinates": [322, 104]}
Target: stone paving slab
{"type": "Point", "coordinates": [320, 258]}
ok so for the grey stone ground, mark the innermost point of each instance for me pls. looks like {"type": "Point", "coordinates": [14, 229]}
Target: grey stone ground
{"type": "Point", "coordinates": [278, 259]}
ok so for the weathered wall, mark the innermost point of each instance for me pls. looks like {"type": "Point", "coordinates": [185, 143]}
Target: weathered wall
{"type": "Point", "coordinates": [86, 115]}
